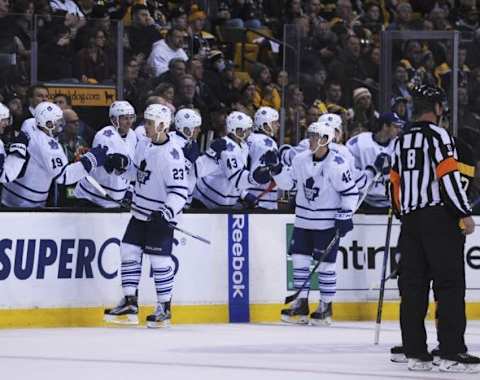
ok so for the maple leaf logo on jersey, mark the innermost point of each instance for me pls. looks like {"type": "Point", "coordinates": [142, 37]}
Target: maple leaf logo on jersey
{"type": "Point", "coordinates": [53, 144]}
{"type": "Point", "coordinates": [338, 160]}
{"type": "Point", "coordinates": [310, 191]}
{"type": "Point", "coordinates": [230, 147]}
{"type": "Point", "coordinates": [108, 133]}
{"type": "Point", "coordinates": [143, 175]}
{"type": "Point", "coordinates": [268, 142]}
{"type": "Point", "coordinates": [175, 154]}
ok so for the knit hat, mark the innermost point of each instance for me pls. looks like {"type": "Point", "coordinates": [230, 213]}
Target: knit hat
{"type": "Point", "coordinates": [359, 93]}
{"type": "Point", "coordinates": [196, 14]}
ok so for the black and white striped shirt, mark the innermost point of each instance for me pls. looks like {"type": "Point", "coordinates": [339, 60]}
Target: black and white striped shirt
{"type": "Point", "coordinates": [425, 171]}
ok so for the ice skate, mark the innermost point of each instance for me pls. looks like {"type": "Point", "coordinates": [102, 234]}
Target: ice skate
{"type": "Point", "coordinates": [161, 317]}
{"type": "Point", "coordinates": [436, 356]}
{"type": "Point", "coordinates": [460, 363]}
{"type": "Point", "coordinates": [420, 363]}
{"type": "Point", "coordinates": [297, 312]}
{"type": "Point", "coordinates": [397, 355]}
{"type": "Point", "coordinates": [323, 315]}
{"type": "Point", "coordinates": [125, 313]}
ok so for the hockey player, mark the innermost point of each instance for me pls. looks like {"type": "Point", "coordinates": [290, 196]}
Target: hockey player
{"type": "Point", "coordinates": [325, 201]}
{"type": "Point", "coordinates": [260, 142]}
{"type": "Point", "coordinates": [227, 181]}
{"type": "Point", "coordinates": [367, 147]}
{"type": "Point", "coordinates": [160, 190]}
{"type": "Point", "coordinates": [121, 142]}
{"type": "Point", "coordinates": [47, 162]}
{"type": "Point", "coordinates": [11, 164]}
{"type": "Point", "coordinates": [187, 127]}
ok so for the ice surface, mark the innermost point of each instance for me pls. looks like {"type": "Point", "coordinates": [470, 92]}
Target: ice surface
{"type": "Point", "coordinates": [236, 351]}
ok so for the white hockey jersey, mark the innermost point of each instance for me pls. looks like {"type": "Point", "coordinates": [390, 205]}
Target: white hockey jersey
{"type": "Point", "coordinates": [115, 185]}
{"type": "Point", "coordinates": [365, 150]}
{"type": "Point", "coordinates": [47, 163]}
{"type": "Point", "coordinates": [220, 185]}
{"type": "Point", "coordinates": [259, 143]}
{"type": "Point", "coordinates": [323, 187]}
{"type": "Point", "coordinates": [160, 178]}
{"type": "Point", "coordinates": [12, 166]}
{"type": "Point", "coordinates": [140, 132]}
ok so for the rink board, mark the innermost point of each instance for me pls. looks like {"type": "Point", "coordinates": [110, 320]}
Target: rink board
{"type": "Point", "coordinates": [61, 269]}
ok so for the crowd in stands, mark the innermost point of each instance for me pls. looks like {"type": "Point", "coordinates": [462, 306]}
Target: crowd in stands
{"type": "Point", "coordinates": [198, 54]}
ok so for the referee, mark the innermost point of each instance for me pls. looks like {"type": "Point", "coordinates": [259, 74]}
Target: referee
{"type": "Point", "coordinates": [427, 192]}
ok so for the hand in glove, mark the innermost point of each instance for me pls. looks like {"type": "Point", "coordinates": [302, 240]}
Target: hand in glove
{"type": "Point", "coordinates": [94, 158]}
{"type": "Point", "coordinates": [249, 201]}
{"type": "Point", "coordinates": [216, 148]}
{"type": "Point", "coordinates": [118, 162]}
{"type": "Point", "coordinates": [191, 151]}
{"type": "Point", "coordinates": [269, 158]}
{"type": "Point", "coordinates": [19, 145]}
{"type": "Point", "coordinates": [343, 222]}
{"type": "Point", "coordinates": [381, 164]}
{"type": "Point", "coordinates": [160, 219]}
{"type": "Point", "coordinates": [261, 175]}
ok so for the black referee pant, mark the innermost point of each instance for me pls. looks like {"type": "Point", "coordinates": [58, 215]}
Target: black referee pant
{"type": "Point", "coordinates": [432, 245]}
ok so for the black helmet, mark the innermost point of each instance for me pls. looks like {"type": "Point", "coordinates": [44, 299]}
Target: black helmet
{"type": "Point", "coordinates": [431, 94]}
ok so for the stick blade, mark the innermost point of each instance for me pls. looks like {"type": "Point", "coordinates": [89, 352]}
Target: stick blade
{"type": "Point", "coordinates": [291, 298]}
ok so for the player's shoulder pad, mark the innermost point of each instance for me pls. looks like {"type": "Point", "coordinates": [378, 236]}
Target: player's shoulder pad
{"type": "Point", "coordinates": [106, 132]}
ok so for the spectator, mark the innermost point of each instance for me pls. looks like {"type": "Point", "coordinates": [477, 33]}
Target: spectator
{"type": "Point", "coordinates": [293, 10]}
{"type": "Point", "coordinates": [468, 21]}
{"type": "Point", "coordinates": [296, 113]}
{"type": "Point", "coordinates": [220, 77]}
{"type": "Point", "coordinates": [36, 94]}
{"type": "Point", "coordinates": [201, 41]}
{"type": "Point", "coordinates": [466, 119]}
{"type": "Point", "coordinates": [403, 17]}
{"type": "Point", "coordinates": [166, 91]}
{"type": "Point", "coordinates": [186, 96]}
{"type": "Point", "coordinates": [134, 87]}
{"type": "Point", "coordinates": [24, 20]}
{"type": "Point", "coordinates": [143, 33]}
{"type": "Point", "coordinates": [63, 101]}
{"type": "Point", "coordinates": [165, 50]}
{"type": "Point", "coordinates": [245, 101]}
{"type": "Point", "coordinates": [400, 89]}
{"type": "Point", "coordinates": [203, 91]}
{"type": "Point", "coordinates": [266, 94]}
{"type": "Point", "coordinates": [371, 64]}
{"type": "Point", "coordinates": [312, 115]}
{"type": "Point", "coordinates": [177, 68]}
{"type": "Point", "coordinates": [15, 106]}
{"type": "Point", "coordinates": [314, 10]}
{"type": "Point", "coordinates": [92, 64]}
{"type": "Point", "coordinates": [443, 72]}
{"type": "Point", "coordinates": [56, 57]}
{"type": "Point", "coordinates": [363, 115]}
{"type": "Point", "coordinates": [314, 86]}
{"type": "Point", "coordinates": [372, 18]}
{"type": "Point", "coordinates": [73, 143]}
{"type": "Point", "coordinates": [179, 20]}
{"type": "Point", "coordinates": [333, 97]}
{"type": "Point", "coordinates": [399, 106]}
{"type": "Point", "coordinates": [245, 14]}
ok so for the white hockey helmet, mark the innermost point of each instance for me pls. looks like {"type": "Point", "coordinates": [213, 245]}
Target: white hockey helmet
{"type": "Point", "coordinates": [186, 120]}
{"type": "Point", "coordinates": [264, 117]}
{"type": "Point", "coordinates": [49, 117]}
{"type": "Point", "coordinates": [5, 117]}
{"type": "Point", "coordinates": [333, 119]}
{"type": "Point", "coordinates": [239, 122]}
{"type": "Point", "coordinates": [120, 108]}
{"type": "Point", "coordinates": [160, 115]}
{"type": "Point", "coordinates": [323, 132]}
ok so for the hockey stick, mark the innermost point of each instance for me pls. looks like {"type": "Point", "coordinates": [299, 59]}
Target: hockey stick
{"type": "Point", "coordinates": [102, 191]}
{"type": "Point", "coordinates": [389, 277]}
{"type": "Point", "coordinates": [383, 279]}
{"type": "Point", "coordinates": [270, 187]}
{"type": "Point", "coordinates": [368, 188]}
{"type": "Point", "coordinates": [324, 254]}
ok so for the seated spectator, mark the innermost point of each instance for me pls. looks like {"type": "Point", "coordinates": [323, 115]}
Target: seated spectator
{"type": "Point", "coordinates": [195, 68]}
{"type": "Point", "coordinates": [144, 32]}
{"type": "Point", "coordinates": [165, 90]}
{"type": "Point", "coordinates": [400, 88]}
{"type": "Point", "coordinates": [314, 85]}
{"type": "Point", "coordinates": [372, 18]}
{"type": "Point", "coordinates": [63, 101]}
{"type": "Point", "coordinates": [200, 41]}
{"type": "Point", "coordinates": [266, 94]}
{"type": "Point", "coordinates": [165, 50]}
{"type": "Point", "coordinates": [186, 96]}
{"type": "Point", "coordinates": [363, 115]}
{"type": "Point", "coordinates": [56, 57]}
{"type": "Point", "coordinates": [36, 94]}
{"type": "Point", "coordinates": [220, 77]}
{"type": "Point", "coordinates": [73, 143]}
{"type": "Point", "coordinates": [245, 101]}
{"type": "Point", "coordinates": [403, 17]}
{"type": "Point", "coordinates": [92, 64]}
{"type": "Point", "coordinates": [333, 97]}
{"type": "Point", "coordinates": [134, 87]}
{"type": "Point", "coordinates": [177, 68]}
{"type": "Point", "coordinates": [296, 113]}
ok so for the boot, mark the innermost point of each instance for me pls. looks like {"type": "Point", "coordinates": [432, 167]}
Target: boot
{"type": "Point", "coordinates": [125, 313]}
{"type": "Point", "coordinates": [323, 315]}
{"type": "Point", "coordinates": [297, 312]}
{"type": "Point", "coordinates": [397, 355]}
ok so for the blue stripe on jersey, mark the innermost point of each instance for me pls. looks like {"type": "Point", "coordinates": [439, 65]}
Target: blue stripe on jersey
{"type": "Point", "coordinates": [141, 207]}
{"type": "Point", "coordinates": [29, 189]}
{"type": "Point", "coordinates": [211, 200]}
{"type": "Point", "coordinates": [216, 192]}
{"type": "Point", "coordinates": [239, 177]}
{"type": "Point", "coordinates": [59, 174]}
{"type": "Point", "coordinates": [234, 174]}
{"type": "Point", "coordinates": [177, 187]}
{"type": "Point", "coordinates": [349, 194]}
{"type": "Point", "coordinates": [304, 217]}
{"type": "Point", "coordinates": [317, 209]}
{"type": "Point", "coordinates": [19, 196]}
{"type": "Point", "coordinates": [180, 195]}
{"type": "Point", "coordinates": [148, 199]}
{"type": "Point", "coordinates": [347, 190]}
{"type": "Point", "coordinates": [114, 190]}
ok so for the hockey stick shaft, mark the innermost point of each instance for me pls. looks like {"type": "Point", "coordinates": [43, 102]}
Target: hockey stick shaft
{"type": "Point", "coordinates": [367, 190]}
{"type": "Point", "coordinates": [324, 254]}
{"type": "Point", "coordinates": [270, 188]}
{"type": "Point", "coordinates": [383, 279]}
{"type": "Point", "coordinates": [102, 191]}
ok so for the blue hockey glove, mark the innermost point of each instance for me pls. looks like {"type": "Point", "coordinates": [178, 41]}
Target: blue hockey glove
{"type": "Point", "coordinates": [249, 200]}
{"type": "Point", "coordinates": [276, 169]}
{"type": "Point", "coordinates": [116, 161]}
{"type": "Point", "coordinates": [217, 147]}
{"type": "Point", "coordinates": [382, 164]}
{"type": "Point", "coordinates": [94, 158]}
{"type": "Point", "coordinates": [261, 175]}
{"type": "Point", "coordinates": [18, 145]}
{"type": "Point", "coordinates": [191, 151]}
{"type": "Point", "coordinates": [343, 222]}
{"type": "Point", "coordinates": [126, 202]}
{"type": "Point", "coordinates": [270, 158]}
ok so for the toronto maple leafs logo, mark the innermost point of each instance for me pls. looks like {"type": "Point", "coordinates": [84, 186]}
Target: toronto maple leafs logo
{"type": "Point", "coordinates": [175, 154]}
{"type": "Point", "coordinates": [310, 191]}
{"type": "Point", "coordinates": [53, 144]}
{"type": "Point", "coordinates": [268, 142]}
{"type": "Point", "coordinates": [230, 147]}
{"type": "Point", "coordinates": [187, 116]}
{"type": "Point", "coordinates": [339, 160]}
{"type": "Point", "coordinates": [143, 175]}
{"type": "Point", "coordinates": [108, 133]}
{"type": "Point", "coordinates": [239, 117]}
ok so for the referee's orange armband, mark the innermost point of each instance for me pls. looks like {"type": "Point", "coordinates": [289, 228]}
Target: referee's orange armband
{"type": "Point", "coordinates": [446, 166]}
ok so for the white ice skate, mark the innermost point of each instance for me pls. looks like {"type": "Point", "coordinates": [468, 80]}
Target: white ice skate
{"type": "Point", "coordinates": [460, 363]}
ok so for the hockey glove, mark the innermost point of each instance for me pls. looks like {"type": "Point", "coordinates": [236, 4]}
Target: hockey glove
{"type": "Point", "coordinates": [117, 162]}
{"type": "Point", "coordinates": [276, 169]}
{"type": "Point", "coordinates": [248, 200]}
{"type": "Point", "coordinates": [343, 222]}
{"type": "Point", "coordinates": [261, 175]}
{"type": "Point", "coordinates": [270, 158]}
{"type": "Point", "coordinates": [381, 164]}
{"type": "Point", "coordinates": [160, 219]}
{"type": "Point", "coordinates": [18, 145]}
{"type": "Point", "coordinates": [191, 151]}
{"type": "Point", "coordinates": [126, 202]}
{"type": "Point", "coordinates": [216, 148]}
{"type": "Point", "coordinates": [95, 158]}
{"type": "Point", "coordinates": [2, 161]}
